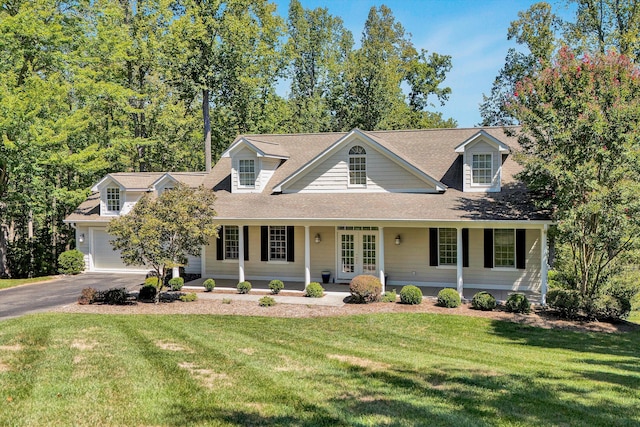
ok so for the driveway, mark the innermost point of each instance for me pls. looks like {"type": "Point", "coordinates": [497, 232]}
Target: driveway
{"type": "Point", "coordinates": [45, 296]}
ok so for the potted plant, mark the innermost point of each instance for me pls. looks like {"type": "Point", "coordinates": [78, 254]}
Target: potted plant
{"type": "Point", "coordinates": [326, 275]}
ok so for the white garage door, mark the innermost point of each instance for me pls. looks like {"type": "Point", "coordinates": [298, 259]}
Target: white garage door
{"type": "Point", "coordinates": [104, 257]}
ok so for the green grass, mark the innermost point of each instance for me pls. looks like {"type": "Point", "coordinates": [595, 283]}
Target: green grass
{"type": "Point", "coordinates": [386, 369]}
{"type": "Point", "coordinates": [634, 316]}
{"type": "Point", "coordinates": [10, 283]}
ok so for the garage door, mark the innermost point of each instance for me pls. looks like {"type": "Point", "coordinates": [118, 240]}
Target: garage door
{"type": "Point", "coordinates": [104, 257]}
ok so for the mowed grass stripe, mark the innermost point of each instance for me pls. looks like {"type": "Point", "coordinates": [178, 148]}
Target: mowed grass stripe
{"type": "Point", "coordinates": [387, 369]}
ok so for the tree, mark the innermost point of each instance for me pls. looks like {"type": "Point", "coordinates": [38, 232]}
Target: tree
{"type": "Point", "coordinates": [580, 121]}
{"type": "Point", "coordinates": [161, 231]}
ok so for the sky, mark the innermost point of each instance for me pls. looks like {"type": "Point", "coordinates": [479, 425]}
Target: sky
{"type": "Point", "coordinates": [472, 32]}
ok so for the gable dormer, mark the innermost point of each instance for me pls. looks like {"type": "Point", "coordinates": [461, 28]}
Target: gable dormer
{"type": "Point", "coordinates": [165, 182]}
{"type": "Point", "coordinates": [112, 196]}
{"type": "Point", "coordinates": [482, 156]}
{"type": "Point", "coordinates": [253, 163]}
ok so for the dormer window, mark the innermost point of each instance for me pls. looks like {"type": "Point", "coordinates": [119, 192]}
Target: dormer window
{"type": "Point", "coordinates": [357, 166]}
{"type": "Point", "coordinates": [481, 169]}
{"type": "Point", "coordinates": [113, 199]}
{"type": "Point", "coordinates": [247, 173]}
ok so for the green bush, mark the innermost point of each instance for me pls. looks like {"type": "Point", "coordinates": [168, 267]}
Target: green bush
{"type": "Point", "coordinates": [607, 307]}
{"type": "Point", "coordinates": [244, 287]}
{"type": "Point", "coordinates": [483, 301]}
{"type": "Point", "coordinates": [176, 283]}
{"type": "Point", "coordinates": [566, 302]}
{"type": "Point", "coordinates": [266, 301]}
{"type": "Point", "coordinates": [152, 281]}
{"type": "Point", "coordinates": [410, 294]}
{"type": "Point", "coordinates": [314, 290]}
{"type": "Point", "coordinates": [116, 296]}
{"type": "Point", "coordinates": [147, 293]}
{"type": "Point", "coordinates": [191, 296]}
{"type": "Point", "coordinates": [518, 303]}
{"type": "Point", "coordinates": [226, 300]}
{"type": "Point", "coordinates": [365, 289]}
{"type": "Point", "coordinates": [209, 285]}
{"type": "Point", "coordinates": [389, 296]}
{"type": "Point", "coordinates": [87, 296]}
{"type": "Point", "coordinates": [276, 286]}
{"type": "Point", "coordinates": [449, 298]}
{"type": "Point", "coordinates": [71, 262]}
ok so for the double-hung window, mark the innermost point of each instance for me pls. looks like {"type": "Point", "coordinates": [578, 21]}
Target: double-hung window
{"type": "Point", "coordinates": [357, 166]}
{"type": "Point", "coordinates": [481, 169]}
{"type": "Point", "coordinates": [277, 243]}
{"type": "Point", "coordinates": [247, 173]}
{"type": "Point", "coordinates": [504, 247]}
{"type": "Point", "coordinates": [231, 242]}
{"type": "Point", "coordinates": [447, 246]}
{"type": "Point", "coordinates": [113, 199]}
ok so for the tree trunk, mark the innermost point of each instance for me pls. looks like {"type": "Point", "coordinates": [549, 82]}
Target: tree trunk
{"type": "Point", "coordinates": [207, 129]}
{"type": "Point", "coordinates": [4, 239]}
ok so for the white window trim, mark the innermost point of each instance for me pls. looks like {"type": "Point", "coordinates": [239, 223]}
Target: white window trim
{"type": "Point", "coordinates": [224, 245]}
{"type": "Point", "coordinates": [515, 252]}
{"type": "Point", "coordinates": [447, 266]}
{"type": "Point", "coordinates": [278, 260]}
{"type": "Point", "coordinates": [255, 174]}
{"type": "Point", "coordinates": [353, 156]}
{"type": "Point", "coordinates": [111, 212]}
{"type": "Point", "coordinates": [482, 185]}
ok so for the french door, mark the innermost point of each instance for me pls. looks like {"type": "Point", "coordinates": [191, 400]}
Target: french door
{"type": "Point", "coordinates": [357, 253]}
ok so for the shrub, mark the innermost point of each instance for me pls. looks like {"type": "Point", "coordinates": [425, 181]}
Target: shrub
{"type": "Point", "coordinates": [152, 281]}
{"type": "Point", "coordinates": [389, 296]}
{"type": "Point", "coordinates": [276, 286]}
{"type": "Point", "coordinates": [410, 294]}
{"type": "Point", "coordinates": [147, 293]}
{"type": "Point", "coordinates": [566, 302]}
{"type": "Point", "coordinates": [226, 300]}
{"type": "Point", "coordinates": [244, 287]}
{"type": "Point", "coordinates": [88, 296]}
{"type": "Point", "coordinates": [191, 296]}
{"type": "Point", "coordinates": [365, 289]}
{"type": "Point", "coordinates": [266, 301]}
{"type": "Point", "coordinates": [209, 284]}
{"type": "Point", "coordinates": [176, 283]}
{"type": "Point", "coordinates": [448, 297]}
{"type": "Point", "coordinates": [71, 262]}
{"type": "Point", "coordinates": [314, 290]}
{"type": "Point", "coordinates": [483, 301]}
{"type": "Point", "coordinates": [116, 296]}
{"type": "Point", "coordinates": [607, 307]}
{"type": "Point", "coordinates": [518, 303]}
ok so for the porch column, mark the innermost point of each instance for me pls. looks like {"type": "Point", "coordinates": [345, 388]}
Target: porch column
{"type": "Point", "coordinates": [544, 264]}
{"type": "Point", "coordinates": [240, 253]}
{"type": "Point", "coordinates": [307, 257]}
{"type": "Point", "coordinates": [381, 258]}
{"type": "Point", "coordinates": [459, 264]}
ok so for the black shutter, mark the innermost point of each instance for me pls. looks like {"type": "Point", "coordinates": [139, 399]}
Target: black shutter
{"type": "Point", "coordinates": [245, 229]}
{"type": "Point", "coordinates": [488, 248]}
{"type": "Point", "coordinates": [264, 243]}
{"type": "Point", "coordinates": [465, 247]}
{"type": "Point", "coordinates": [433, 246]}
{"type": "Point", "coordinates": [521, 249]}
{"type": "Point", "coordinates": [290, 244]}
{"type": "Point", "coordinates": [220, 244]}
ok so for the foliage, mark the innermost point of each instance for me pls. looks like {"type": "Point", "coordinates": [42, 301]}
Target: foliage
{"type": "Point", "coordinates": [189, 297]}
{"type": "Point", "coordinates": [153, 281]}
{"type": "Point", "coordinates": [148, 292]}
{"type": "Point", "coordinates": [410, 294]}
{"type": "Point", "coordinates": [518, 303]}
{"type": "Point", "coordinates": [116, 296]}
{"type": "Point", "coordinates": [244, 287]}
{"type": "Point", "coordinates": [567, 302]}
{"type": "Point", "coordinates": [226, 300]}
{"type": "Point", "coordinates": [71, 262]}
{"type": "Point", "coordinates": [365, 289]}
{"type": "Point", "coordinates": [389, 296]}
{"type": "Point", "coordinates": [483, 301]}
{"type": "Point", "coordinates": [209, 285]}
{"type": "Point", "coordinates": [449, 298]}
{"type": "Point", "coordinates": [176, 283]}
{"type": "Point", "coordinates": [276, 286]}
{"type": "Point", "coordinates": [266, 301]}
{"type": "Point", "coordinates": [314, 290]}
{"type": "Point", "coordinates": [161, 231]}
{"type": "Point", "coordinates": [87, 296]}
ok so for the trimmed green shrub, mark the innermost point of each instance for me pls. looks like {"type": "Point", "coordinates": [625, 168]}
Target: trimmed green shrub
{"type": "Point", "coordinates": [176, 283]}
{"type": "Point", "coordinates": [607, 307]}
{"type": "Point", "coordinates": [266, 301]}
{"type": "Point", "coordinates": [244, 287]}
{"type": "Point", "coordinates": [147, 293]}
{"type": "Point", "coordinates": [518, 303]}
{"type": "Point", "coordinates": [483, 301]}
{"type": "Point", "coordinates": [152, 281]}
{"type": "Point", "coordinates": [448, 297]}
{"type": "Point", "coordinates": [226, 300]}
{"type": "Point", "coordinates": [314, 290]}
{"type": "Point", "coordinates": [410, 294]}
{"type": "Point", "coordinates": [88, 296]}
{"type": "Point", "coordinates": [116, 296]}
{"type": "Point", "coordinates": [566, 302]}
{"type": "Point", "coordinates": [365, 289]}
{"type": "Point", "coordinates": [276, 286]}
{"type": "Point", "coordinates": [191, 296]}
{"type": "Point", "coordinates": [71, 262]}
{"type": "Point", "coordinates": [389, 296]}
{"type": "Point", "coordinates": [209, 285]}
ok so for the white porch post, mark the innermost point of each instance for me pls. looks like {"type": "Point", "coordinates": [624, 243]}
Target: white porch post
{"type": "Point", "coordinates": [381, 258]}
{"type": "Point", "coordinates": [544, 264]}
{"type": "Point", "coordinates": [459, 281]}
{"type": "Point", "coordinates": [175, 272]}
{"type": "Point", "coordinates": [240, 253]}
{"type": "Point", "coordinates": [307, 257]}
{"type": "Point", "coordinates": [203, 263]}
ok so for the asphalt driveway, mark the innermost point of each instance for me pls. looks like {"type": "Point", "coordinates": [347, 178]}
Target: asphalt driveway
{"type": "Point", "coordinates": [45, 296]}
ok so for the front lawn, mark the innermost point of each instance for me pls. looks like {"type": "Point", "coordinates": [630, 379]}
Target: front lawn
{"type": "Point", "coordinates": [386, 369]}
{"type": "Point", "coordinates": [10, 283]}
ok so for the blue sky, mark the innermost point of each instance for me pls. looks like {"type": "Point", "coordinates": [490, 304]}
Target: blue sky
{"type": "Point", "coordinates": [473, 32]}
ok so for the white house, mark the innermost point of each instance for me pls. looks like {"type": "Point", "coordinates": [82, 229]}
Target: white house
{"type": "Point", "coordinates": [434, 208]}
